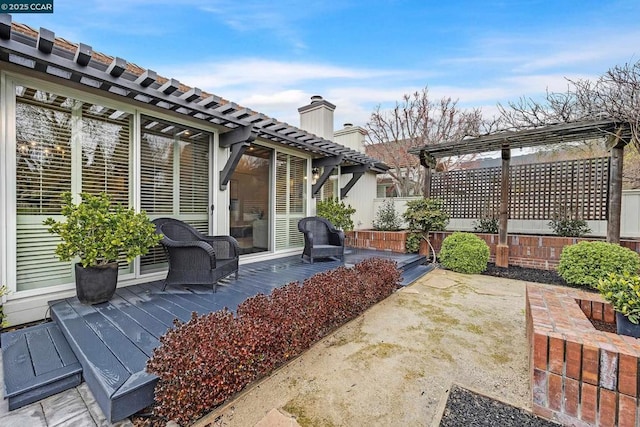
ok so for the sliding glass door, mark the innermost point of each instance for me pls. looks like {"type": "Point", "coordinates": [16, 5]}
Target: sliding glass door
{"type": "Point", "coordinates": [250, 196]}
{"type": "Point", "coordinates": [291, 200]}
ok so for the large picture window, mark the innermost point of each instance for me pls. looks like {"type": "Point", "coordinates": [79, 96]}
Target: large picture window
{"type": "Point", "coordinates": [62, 144]}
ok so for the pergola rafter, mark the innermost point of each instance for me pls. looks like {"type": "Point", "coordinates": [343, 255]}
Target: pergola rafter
{"type": "Point", "coordinates": [618, 135]}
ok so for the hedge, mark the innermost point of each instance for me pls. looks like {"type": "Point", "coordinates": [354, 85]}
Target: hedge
{"type": "Point", "coordinates": [202, 363]}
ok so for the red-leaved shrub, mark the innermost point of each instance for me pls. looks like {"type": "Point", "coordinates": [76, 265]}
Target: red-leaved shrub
{"type": "Point", "coordinates": [205, 361]}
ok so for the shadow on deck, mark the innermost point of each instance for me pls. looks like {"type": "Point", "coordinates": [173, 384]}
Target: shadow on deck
{"type": "Point", "coordinates": [113, 341]}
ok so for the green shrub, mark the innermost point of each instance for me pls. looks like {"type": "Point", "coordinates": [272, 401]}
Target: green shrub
{"type": "Point", "coordinates": [3, 321]}
{"type": "Point", "coordinates": [622, 291]}
{"type": "Point", "coordinates": [587, 262]}
{"type": "Point", "coordinates": [566, 224]}
{"type": "Point", "coordinates": [387, 219]}
{"type": "Point", "coordinates": [464, 253]}
{"type": "Point", "coordinates": [412, 245]}
{"type": "Point", "coordinates": [99, 232]}
{"type": "Point", "coordinates": [488, 221]}
{"type": "Point", "coordinates": [336, 212]}
{"type": "Point", "coordinates": [486, 225]}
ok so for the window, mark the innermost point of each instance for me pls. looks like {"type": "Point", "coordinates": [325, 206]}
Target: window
{"type": "Point", "coordinates": [174, 177]}
{"type": "Point", "coordinates": [62, 144]}
{"type": "Point", "coordinates": [291, 188]}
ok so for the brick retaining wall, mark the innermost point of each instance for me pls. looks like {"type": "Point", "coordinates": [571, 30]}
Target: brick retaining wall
{"type": "Point", "coordinates": [394, 241]}
{"type": "Point", "coordinates": [580, 376]}
{"type": "Point", "coordinates": [542, 252]}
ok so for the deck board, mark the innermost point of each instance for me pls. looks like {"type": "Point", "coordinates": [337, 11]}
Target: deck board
{"type": "Point", "coordinates": [42, 349]}
{"type": "Point", "coordinates": [114, 339]}
{"type": "Point", "coordinates": [150, 323]}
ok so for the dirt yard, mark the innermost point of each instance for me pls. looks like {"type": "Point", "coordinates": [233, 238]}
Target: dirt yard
{"type": "Point", "coordinates": [394, 364]}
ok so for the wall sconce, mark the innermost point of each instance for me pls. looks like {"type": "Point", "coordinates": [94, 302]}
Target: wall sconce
{"type": "Point", "coordinates": [315, 172]}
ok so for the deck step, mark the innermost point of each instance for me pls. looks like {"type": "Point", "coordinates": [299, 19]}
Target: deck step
{"type": "Point", "coordinates": [412, 274]}
{"type": "Point", "coordinates": [410, 263]}
{"type": "Point", "coordinates": [112, 350]}
{"type": "Point", "coordinates": [37, 363]}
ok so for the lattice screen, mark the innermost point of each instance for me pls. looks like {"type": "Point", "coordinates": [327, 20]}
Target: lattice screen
{"type": "Point", "coordinates": [536, 190]}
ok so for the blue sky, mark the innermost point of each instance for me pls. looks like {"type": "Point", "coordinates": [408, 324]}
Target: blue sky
{"type": "Point", "coordinates": [272, 56]}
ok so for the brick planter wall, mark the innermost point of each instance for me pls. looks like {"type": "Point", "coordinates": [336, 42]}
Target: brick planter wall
{"type": "Point", "coordinates": [394, 241]}
{"type": "Point", "coordinates": [542, 252]}
{"type": "Point", "coordinates": [580, 376]}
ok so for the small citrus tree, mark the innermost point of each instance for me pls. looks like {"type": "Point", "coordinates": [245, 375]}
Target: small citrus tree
{"type": "Point", "coordinates": [98, 232]}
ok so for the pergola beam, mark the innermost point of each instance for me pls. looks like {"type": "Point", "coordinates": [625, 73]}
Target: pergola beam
{"type": "Point", "coordinates": [616, 144]}
{"type": "Point", "coordinates": [239, 140]}
{"type": "Point", "coordinates": [357, 173]}
{"type": "Point", "coordinates": [502, 250]}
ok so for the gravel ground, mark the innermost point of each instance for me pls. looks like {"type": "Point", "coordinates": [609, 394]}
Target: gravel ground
{"type": "Point", "coordinates": [469, 409]}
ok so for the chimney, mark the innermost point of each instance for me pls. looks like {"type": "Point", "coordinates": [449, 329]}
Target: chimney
{"type": "Point", "coordinates": [351, 137]}
{"type": "Point", "coordinates": [317, 117]}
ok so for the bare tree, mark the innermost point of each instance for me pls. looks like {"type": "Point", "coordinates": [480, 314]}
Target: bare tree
{"type": "Point", "coordinates": [615, 95]}
{"type": "Point", "coordinates": [417, 121]}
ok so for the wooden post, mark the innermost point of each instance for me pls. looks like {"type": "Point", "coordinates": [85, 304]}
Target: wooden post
{"type": "Point", "coordinates": [428, 162]}
{"type": "Point", "coordinates": [615, 188]}
{"type": "Point", "coordinates": [427, 182]}
{"type": "Point", "coordinates": [502, 250]}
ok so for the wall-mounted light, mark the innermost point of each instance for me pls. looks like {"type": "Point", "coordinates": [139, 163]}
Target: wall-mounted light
{"type": "Point", "coordinates": [315, 172]}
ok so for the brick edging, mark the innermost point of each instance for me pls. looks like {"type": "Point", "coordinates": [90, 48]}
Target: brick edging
{"type": "Point", "coordinates": [579, 375]}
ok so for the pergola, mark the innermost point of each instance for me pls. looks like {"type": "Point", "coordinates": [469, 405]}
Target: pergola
{"type": "Point", "coordinates": [618, 135]}
{"type": "Point", "coordinates": [80, 67]}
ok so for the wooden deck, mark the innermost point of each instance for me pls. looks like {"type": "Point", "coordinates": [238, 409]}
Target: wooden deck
{"type": "Point", "coordinates": [114, 340]}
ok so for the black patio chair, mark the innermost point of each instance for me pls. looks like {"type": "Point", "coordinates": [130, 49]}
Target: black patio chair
{"type": "Point", "coordinates": [321, 239]}
{"type": "Point", "coordinates": [196, 259]}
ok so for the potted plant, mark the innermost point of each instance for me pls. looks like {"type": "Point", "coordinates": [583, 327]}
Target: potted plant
{"type": "Point", "coordinates": [622, 291]}
{"type": "Point", "coordinates": [98, 233]}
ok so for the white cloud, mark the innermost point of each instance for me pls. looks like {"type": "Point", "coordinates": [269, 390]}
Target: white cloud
{"type": "Point", "coordinates": [272, 73]}
{"type": "Point", "coordinates": [279, 88]}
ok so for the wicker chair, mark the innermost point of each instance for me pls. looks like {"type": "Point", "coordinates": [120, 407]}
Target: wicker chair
{"type": "Point", "coordinates": [196, 259]}
{"type": "Point", "coordinates": [321, 239]}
